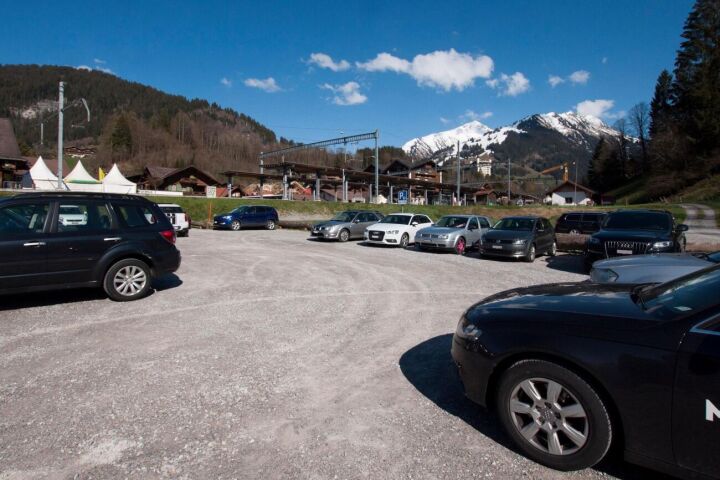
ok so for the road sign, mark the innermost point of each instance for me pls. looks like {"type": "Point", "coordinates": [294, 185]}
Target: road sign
{"type": "Point", "coordinates": [210, 192]}
{"type": "Point", "coordinates": [402, 197]}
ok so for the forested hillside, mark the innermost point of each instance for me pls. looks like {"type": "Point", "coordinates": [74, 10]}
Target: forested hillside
{"type": "Point", "coordinates": [131, 123]}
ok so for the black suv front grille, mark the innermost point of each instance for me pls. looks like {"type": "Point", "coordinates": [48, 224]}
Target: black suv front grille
{"type": "Point", "coordinates": [637, 248]}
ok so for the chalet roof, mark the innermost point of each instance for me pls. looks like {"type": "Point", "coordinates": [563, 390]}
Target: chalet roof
{"type": "Point", "coordinates": [569, 185]}
{"type": "Point", "coordinates": [162, 173]}
{"type": "Point", "coordinates": [9, 149]}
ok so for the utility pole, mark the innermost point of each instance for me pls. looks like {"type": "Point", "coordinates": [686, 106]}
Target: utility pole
{"type": "Point", "coordinates": [575, 195]}
{"type": "Point", "coordinates": [457, 176]}
{"type": "Point", "coordinates": [377, 167]}
{"type": "Point", "coordinates": [61, 104]}
{"type": "Point", "coordinates": [509, 198]}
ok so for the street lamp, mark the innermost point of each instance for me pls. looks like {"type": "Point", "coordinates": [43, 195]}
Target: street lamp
{"type": "Point", "coordinates": [61, 112]}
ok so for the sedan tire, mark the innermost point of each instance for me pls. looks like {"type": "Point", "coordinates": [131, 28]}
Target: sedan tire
{"type": "Point", "coordinates": [127, 280]}
{"type": "Point", "coordinates": [553, 249]}
{"type": "Point", "coordinates": [553, 415]}
{"type": "Point", "coordinates": [404, 240]}
{"type": "Point", "coordinates": [530, 256]}
{"type": "Point", "coordinates": [235, 225]}
{"type": "Point", "coordinates": [270, 225]}
{"type": "Point", "coordinates": [344, 235]}
{"type": "Point", "coordinates": [460, 246]}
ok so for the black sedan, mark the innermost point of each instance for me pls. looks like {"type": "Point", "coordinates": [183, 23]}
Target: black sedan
{"type": "Point", "coordinates": [573, 368]}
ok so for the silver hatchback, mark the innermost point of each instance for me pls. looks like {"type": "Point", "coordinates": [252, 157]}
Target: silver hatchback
{"type": "Point", "coordinates": [346, 225]}
{"type": "Point", "coordinates": [457, 233]}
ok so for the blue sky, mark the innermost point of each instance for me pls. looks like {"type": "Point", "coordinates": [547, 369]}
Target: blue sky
{"type": "Point", "coordinates": [407, 68]}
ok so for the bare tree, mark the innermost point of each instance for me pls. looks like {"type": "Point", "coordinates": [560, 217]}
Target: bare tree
{"type": "Point", "coordinates": [639, 117]}
{"type": "Point", "coordinates": [621, 125]}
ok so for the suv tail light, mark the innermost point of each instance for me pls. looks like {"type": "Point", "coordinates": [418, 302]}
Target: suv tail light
{"type": "Point", "coordinates": [169, 236]}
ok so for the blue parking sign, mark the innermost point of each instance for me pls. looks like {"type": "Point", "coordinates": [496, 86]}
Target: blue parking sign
{"type": "Point", "coordinates": [402, 197]}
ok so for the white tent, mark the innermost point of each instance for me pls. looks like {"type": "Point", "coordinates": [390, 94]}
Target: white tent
{"type": "Point", "coordinates": [42, 177]}
{"type": "Point", "coordinates": [79, 180]}
{"type": "Point", "coordinates": [115, 182]}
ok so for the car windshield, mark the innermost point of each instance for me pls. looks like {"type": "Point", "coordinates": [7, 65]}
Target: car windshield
{"type": "Point", "coordinates": [523, 224]}
{"type": "Point", "coordinates": [637, 221]}
{"type": "Point", "coordinates": [399, 219]}
{"type": "Point", "coordinates": [452, 222]}
{"type": "Point", "coordinates": [70, 210]}
{"type": "Point", "coordinates": [689, 294]}
{"type": "Point", "coordinates": [344, 217]}
{"type": "Point", "coordinates": [713, 257]}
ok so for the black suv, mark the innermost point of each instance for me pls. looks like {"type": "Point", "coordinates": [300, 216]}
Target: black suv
{"type": "Point", "coordinates": [58, 240]}
{"type": "Point", "coordinates": [579, 222]}
{"type": "Point", "coordinates": [635, 232]}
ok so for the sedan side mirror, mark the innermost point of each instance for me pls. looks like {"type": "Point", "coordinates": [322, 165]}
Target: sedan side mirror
{"type": "Point", "coordinates": [414, 224]}
{"type": "Point", "coordinates": [683, 228]}
{"type": "Point", "coordinates": [356, 221]}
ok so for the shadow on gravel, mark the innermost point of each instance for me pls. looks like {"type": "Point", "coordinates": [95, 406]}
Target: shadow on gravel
{"type": "Point", "coordinates": [59, 297]}
{"type": "Point", "coordinates": [430, 369]}
{"type": "Point", "coordinates": [566, 263]}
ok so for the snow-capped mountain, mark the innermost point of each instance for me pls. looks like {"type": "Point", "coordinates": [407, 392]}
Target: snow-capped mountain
{"type": "Point", "coordinates": [538, 141]}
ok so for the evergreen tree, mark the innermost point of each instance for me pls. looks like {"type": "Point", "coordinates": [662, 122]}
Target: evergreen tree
{"type": "Point", "coordinates": [121, 137]}
{"type": "Point", "coordinates": [661, 104]}
{"type": "Point", "coordinates": [697, 78]}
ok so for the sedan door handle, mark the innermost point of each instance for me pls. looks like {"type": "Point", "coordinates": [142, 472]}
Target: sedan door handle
{"type": "Point", "coordinates": [33, 244]}
{"type": "Point", "coordinates": [112, 239]}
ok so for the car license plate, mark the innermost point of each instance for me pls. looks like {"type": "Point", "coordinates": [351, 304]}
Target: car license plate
{"type": "Point", "coordinates": [624, 252]}
{"type": "Point", "coordinates": [497, 247]}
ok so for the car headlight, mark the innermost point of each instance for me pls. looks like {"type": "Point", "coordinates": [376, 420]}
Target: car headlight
{"type": "Point", "coordinates": [393, 232]}
{"type": "Point", "coordinates": [443, 237]}
{"type": "Point", "coordinates": [521, 241]}
{"type": "Point", "coordinates": [594, 241]}
{"type": "Point", "coordinates": [603, 275]}
{"type": "Point", "coordinates": [665, 244]}
{"type": "Point", "coordinates": [467, 331]}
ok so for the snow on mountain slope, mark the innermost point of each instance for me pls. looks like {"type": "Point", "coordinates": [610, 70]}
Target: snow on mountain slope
{"type": "Point", "coordinates": [575, 127]}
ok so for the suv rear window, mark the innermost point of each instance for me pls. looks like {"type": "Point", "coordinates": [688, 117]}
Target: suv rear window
{"type": "Point", "coordinates": [172, 210]}
{"type": "Point", "coordinates": [134, 216]}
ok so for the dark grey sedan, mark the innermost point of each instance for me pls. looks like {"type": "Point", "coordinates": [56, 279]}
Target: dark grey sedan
{"type": "Point", "coordinates": [346, 225]}
{"type": "Point", "coordinates": [520, 237]}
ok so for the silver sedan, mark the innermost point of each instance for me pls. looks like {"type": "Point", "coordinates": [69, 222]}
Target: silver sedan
{"type": "Point", "coordinates": [457, 233]}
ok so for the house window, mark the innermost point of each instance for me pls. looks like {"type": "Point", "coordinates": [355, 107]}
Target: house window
{"type": "Point", "coordinates": [568, 200]}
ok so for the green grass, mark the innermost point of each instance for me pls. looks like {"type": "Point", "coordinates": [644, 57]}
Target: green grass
{"type": "Point", "coordinates": [630, 193]}
{"type": "Point", "coordinates": [201, 208]}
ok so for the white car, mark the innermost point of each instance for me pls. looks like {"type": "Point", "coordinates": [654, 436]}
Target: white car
{"type": "Point", "coordinates": [72, 215]}
{"type": "Point", "coordinates": [397, 229]}
{"type": "Point", "coordinates": [177, 216]}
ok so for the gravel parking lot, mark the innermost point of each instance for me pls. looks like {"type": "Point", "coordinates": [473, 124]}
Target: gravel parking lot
{"type": "Point", "coordinates": [268, 356]}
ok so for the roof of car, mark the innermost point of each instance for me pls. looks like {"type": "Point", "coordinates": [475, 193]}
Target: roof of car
{"type": "Point", "coordinates": [462, 215]}
{"type": "Point", "coordinates": [529, 217]}
{"type": "Point", "coordinates": [66, 194]}
{"type": "Point", "coordinates": [404, 213]}
{"type": "Point", "coordinates": [584, 213]}
{"type": "Point", "coordinates": [641, 210]}
{"type": "Point", "coordinates": [168, 205]}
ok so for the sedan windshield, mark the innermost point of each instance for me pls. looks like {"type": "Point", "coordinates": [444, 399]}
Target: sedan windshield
{"type": "Point", "coordinates": [522, 224]}
{"type": "Point", "coordinates": [452, 222]}
{"type": "Point", "coordinates": [344, 217]}
{"type": "Point", "coordinates": [399, 219]}
{"type": "Point", "coordinates": [637, 221]}
{"type": "Point", "coordinates": [692, 293]}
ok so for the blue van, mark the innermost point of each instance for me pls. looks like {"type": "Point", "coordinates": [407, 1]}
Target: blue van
{"type": "Point", "coordinates": [247, 216]}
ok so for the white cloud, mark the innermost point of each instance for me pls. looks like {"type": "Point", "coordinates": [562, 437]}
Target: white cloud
{"type": "Point", "coordinates": [600, 108]}
{"type": "Point", "coordinates": [99, 62]}
{"type": "Point", "coordinates": [346, 94]}
{"type": "Point", "coordinates": [471, 115]}
{"type": "Point", "coordinates": [268, 84]}
{"type": "Point", "coordinates": [444, 120]}
{"type": "Point", "coordinates": [579, 77]}
{"type": "Point", "coordinates": [324, 60]}
{"type": "Point", "coordinates": [84, 67]}
{"type": "Point", "coordinates": [226, 81]}
{"type": "Point", "coordinates": [97, 68]}
{"type": "Point", "coordinates": [444, 69]}
{"type": "Point", "coordinates": [604, 60]}
{"type": "Point", "coordinates": [103, 69]}
{"type": "Point", "coordinates": [555, 80]}
{"type": "Point", "coordinates": [512, 85]}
